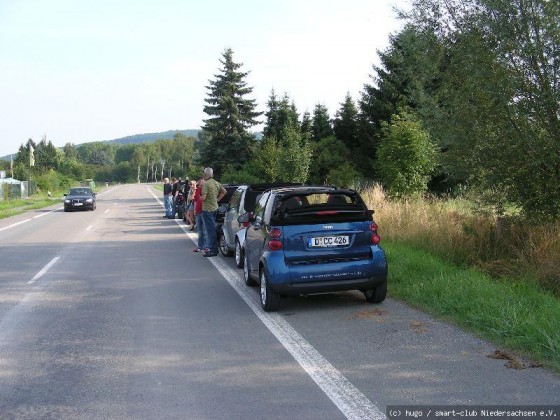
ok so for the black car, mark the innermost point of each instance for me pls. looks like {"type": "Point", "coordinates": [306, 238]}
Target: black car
{"type": "Point", "coordinates": [79, 198]}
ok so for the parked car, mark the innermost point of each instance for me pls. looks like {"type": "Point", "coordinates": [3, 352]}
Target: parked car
{"type": "Point", "coordinates": [242, 201]}
{"type": "Point", "coordinates": [222, 208]}
{"type": "Point", "coordinates": [311, 240]}
{"type": "Point", "coordinates": [80, 198]}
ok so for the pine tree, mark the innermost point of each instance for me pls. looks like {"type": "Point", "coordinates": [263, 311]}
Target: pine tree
{"type": "Point", "coordinates": [345, 124]}
{"type": "Point", "coordinates": [280, 114]}
{"type": "Point", "coordinates": [229, 142]}
{"type": "Point", "coordinates": [321, 126]}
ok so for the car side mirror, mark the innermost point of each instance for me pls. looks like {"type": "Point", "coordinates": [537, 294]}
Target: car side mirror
{"type": "Point", "coordinates": [95, 194]}
{"type": "Point", "coordinates": [65, 195]}
{"type": "Point", "coordinates": [245, 218]}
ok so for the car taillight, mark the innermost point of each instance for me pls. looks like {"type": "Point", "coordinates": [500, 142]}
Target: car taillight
{"type": "Point", "coordinates": [275, 233]}
{"type": "Point", "coordinates": [275, 244]}
{"type": "Point", "coordinates": [375, 238]}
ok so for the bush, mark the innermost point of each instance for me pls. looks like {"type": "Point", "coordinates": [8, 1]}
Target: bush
{"type": "Point", "coordinates": [405, 157]}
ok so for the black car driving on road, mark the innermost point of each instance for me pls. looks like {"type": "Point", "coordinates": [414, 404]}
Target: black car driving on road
{"type": "Point", "coordinates": [79, 198]}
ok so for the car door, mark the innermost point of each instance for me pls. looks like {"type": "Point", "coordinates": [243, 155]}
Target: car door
{"type": "Point", "coordinates": [231, 225]}
{"type": "Point", "coordinates": [254, 239]}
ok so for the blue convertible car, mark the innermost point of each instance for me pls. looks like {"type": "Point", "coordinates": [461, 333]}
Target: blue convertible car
{"type": "Point", "coordinates": [311, 240]}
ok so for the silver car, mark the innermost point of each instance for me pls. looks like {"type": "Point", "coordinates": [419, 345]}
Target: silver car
{"type": "Point", "coordinates": [243, 200]}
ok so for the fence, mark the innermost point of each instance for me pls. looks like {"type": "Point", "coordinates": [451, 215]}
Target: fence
{"type": "Point", "coordinates": [18, 190]}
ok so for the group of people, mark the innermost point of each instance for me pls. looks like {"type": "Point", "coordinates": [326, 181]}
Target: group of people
{"type": "Point", "coordinates": [202, 203]}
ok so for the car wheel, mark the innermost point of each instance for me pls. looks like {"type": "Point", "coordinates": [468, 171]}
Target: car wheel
{"type": "Point", "coordinates": [239, 257]}
{"type": "Point", "coordinates": [378, 294]}
{"type": "Point", "coordinates": [223, 246]}
{"type": "Point", "coordinates": [66, 210]}
{"type": "Point", "coordinates": [248, 280]}
{"type": "Point", "coordinates": [270, 300]}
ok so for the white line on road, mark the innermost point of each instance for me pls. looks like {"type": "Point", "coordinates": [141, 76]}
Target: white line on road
{"type": "Point", "coordinates": [89, 227]}
{"type": "Point", "coordinates": [106, 211]}
{"type": "Point", "coordinates": [349, 399]}
{"type": "Point", "coordinates": [48, 212]}
{"type": "Point", "coordinates": [43, 271]}
{"type": "Point", "coordinates": [15, 224]}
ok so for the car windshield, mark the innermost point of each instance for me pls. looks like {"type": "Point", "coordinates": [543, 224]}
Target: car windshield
{"type": "Point", "coordinates": [306, 207]}
{"type": "Point", "coordinates": [79, 191]}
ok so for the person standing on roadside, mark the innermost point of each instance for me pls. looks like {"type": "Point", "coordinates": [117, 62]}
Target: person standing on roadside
{"type": "Point", "coordinates": [174, 184]}
{"type": "Point", "coordinates": [167, 197]}
{"type": "Point", "coordinates": [191, 215]}
{"type": "Point", "coordinates": [197, 203]}
{"type": "Point", "coordinates": [212, 192]}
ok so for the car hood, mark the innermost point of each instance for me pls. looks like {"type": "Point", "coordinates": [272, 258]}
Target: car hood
{"type": "Point", "coordinates": [75, 197]}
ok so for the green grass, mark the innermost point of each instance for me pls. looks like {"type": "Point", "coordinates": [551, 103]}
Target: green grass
{"type": "Point", "coordinates": [14, 207]}
{"type": "Point", "coordinates": [517, 315]}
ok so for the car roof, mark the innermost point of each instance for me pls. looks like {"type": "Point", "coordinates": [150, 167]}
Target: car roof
{"type": "Point", "coordinates": [307, 189]}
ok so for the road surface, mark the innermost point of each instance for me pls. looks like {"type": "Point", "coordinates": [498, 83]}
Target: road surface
{"type": "Point", "coordinates": [110, 315]}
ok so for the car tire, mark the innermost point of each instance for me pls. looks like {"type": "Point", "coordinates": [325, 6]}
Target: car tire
{"type": "Point", "coordinates": [66, 210]}
{"type": "Point", "coordinates": [248, 280]}
{"type": "Point", "coordinates": [270, 300]}
{"type": "Point", "coordinates": [222, 244]}
{"type": "Point", "coordinates": [239, 255]}
{"type": "Point", "coordinates": [378, 294]}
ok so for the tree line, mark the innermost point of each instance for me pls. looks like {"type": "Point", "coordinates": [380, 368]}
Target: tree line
{"type": "Point", "coordinates": [466, 98]}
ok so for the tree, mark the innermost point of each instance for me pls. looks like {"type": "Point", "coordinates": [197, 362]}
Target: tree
{"type": "Point", "coordinates": [137, 160]}
{"type": "Point", "coordinates": [500, 95]}
{"type": "Point", "coordinates": [70, 151]}
{"type": "Point", "coordinates": [285, 159]}
{"type": "Point", "coordinates": [321, 124]}
{"type": "Point", "coordinates": [231, 115]}
{"type": "Point", "coordinates": [406, 157]}
{"type": "Point", "coordinates": [332, 163]}
{"type": "Point", "coordinates": [306, 124]}
{"type": "Point", "coordinates": [345, 123]}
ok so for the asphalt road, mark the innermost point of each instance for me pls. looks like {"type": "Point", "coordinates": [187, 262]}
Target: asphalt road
{"type": "Point", "coordinates": [110, 315]}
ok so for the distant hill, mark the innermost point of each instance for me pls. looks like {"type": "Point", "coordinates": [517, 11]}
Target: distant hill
{"type": "Point", "coordinates": [136, 138]}
{"type": "Point", "coordinates": [146, 138]}
{"type": "Point", "coordinates": [151, 137]}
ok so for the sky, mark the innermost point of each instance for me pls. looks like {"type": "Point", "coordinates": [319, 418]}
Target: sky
{"type": "Point", "coordinates": [90, 70]}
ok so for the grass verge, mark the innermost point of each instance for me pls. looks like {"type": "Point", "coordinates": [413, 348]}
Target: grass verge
{"type": "Point", "coordinates": [14, 207]}
{"type": "Point", "coordinates": [518, 315]}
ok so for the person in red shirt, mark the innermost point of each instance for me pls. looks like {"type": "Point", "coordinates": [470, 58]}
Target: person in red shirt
{"type": "Point", "coordinates": [199, 222]}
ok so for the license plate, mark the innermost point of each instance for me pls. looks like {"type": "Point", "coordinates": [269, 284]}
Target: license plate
{"type": "Point", "coordinates": [78, 204]}
{"type": "Point", "coordinates": [328, 241]}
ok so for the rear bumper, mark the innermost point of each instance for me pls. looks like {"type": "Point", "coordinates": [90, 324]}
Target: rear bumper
{"type": "Point", "coordinates": [327, 277]}
{"type": "Point", "coordinates": [327, 286]}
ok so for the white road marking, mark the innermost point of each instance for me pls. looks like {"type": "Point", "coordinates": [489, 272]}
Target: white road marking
{"type": "Point", "coordinates": [15, 224]}
{"type": "Point", "coordinates": [106, 211]}
{"type": "Point", "coordinates": [349, 399]}
{"type": "Point", "coordinates": [43, 271]}
{"type": "Point", "coordinates": [89, 227]}
{"type": "Point", "coordinates": [48, 212]}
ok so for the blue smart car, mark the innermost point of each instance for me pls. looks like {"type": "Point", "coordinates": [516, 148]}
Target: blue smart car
{"type": "Point", "coordinates": [313, 240]}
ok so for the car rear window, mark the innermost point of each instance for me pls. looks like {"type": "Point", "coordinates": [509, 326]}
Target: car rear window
{"type": "Point", "coordinates": [335, 206]}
